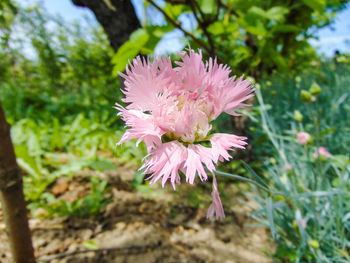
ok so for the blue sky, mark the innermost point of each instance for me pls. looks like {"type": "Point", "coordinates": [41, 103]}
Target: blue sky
{"type": "Point", "coordinates": [330, 38]}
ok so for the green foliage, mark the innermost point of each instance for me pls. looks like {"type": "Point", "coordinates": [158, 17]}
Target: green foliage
{"type": "Point", "coordinates": [68, 57]}
{"type": "Point", "coordinates": [49, 150]}
{"type": "Point", "coordinates": [253, 37]}
{"type": "Point", "coordinates": [8, 10]}
{"type": "Point", "coordinates": [142, 41]}
{"type": "Point", "coordinates": [59, 104]}
{"type": "Point", "coordinates": [91, 204]}
{"type": "Point", "coordinates": [307, 203]}
{"type": "Point", "coordinates": [326, 113]}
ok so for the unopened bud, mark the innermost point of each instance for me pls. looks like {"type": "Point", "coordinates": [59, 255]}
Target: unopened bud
{"type": "Point", "coordinates": [306, 96]}
{"type": "Point", "coordinates": [298, 116]}
{"type": "Point", "coordinates": [315, 89]}
{"type": "Point", "coordinates": [314, 243]}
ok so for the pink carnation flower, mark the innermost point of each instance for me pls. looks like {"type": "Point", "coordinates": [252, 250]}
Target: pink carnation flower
{"type": "Point", "coordinates": [322, 151]}
{"type": "Point", "coordinates": [171, 108]}
{"type": "Point", "coordinates": [303, 138]}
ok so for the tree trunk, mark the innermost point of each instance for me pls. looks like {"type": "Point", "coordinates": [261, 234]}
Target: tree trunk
{"type": "Point", "coordinates": [12, 198]}
{"type": "Point", "coordinates": [117, 17]}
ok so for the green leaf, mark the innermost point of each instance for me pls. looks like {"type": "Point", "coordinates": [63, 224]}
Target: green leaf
{"type": "Point", "coordinates": [138, 35]}
{"type": "Point", "coordinates": [26, 161]}
{"type": "Point", "coordinates": [277, 13]}
{"type": "Point", "coordinates": [129, 49]}
{"type": "Point", "coordinates": [243, 179]}
{"type": "Point", "coordinates": [138, 179]}
{"type": "Point", "coordinates": [156, 33]}
{"type": "Point", "coordinates": [269, 210]}
{"type": "Point", "coordinates": [71, 167]}
{"type": "Point", "coordinates": [254, 175]}
{"type": "Point", "coordinates": [318, 5]}
{"type": "Point", "coordinates": [49, 198]}
{"type": "Point", "coordinates": [328, 131]}
{"type": "Point", "coordinates": [253, 23]}
{"type": "Point", "coordinates": [103, 166]}
{"type": "Point", "coordinates": [258, 11]}
{"type": "Point", "coordinates": [173, 11]}
{"type": "Point", "coordinates": [279, 60]}
{"type": "Point", "coordinates": [159, 31]}
{"type": "Point", "coordinates": [340, 161]}
{"type": "Point", "coordinates": [217, 28]}
{"type": "Point", "coordinates": [286, 28]}
{"type": "Point", "coordinates": [300, 225]}
{"type": "Point", "coordinates": [208, 6]}
{"type": "Point", "coordinates": [90, 244]}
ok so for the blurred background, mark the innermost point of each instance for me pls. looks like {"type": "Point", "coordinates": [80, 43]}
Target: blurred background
{"type": "Point", "coordinates": [59, 63]}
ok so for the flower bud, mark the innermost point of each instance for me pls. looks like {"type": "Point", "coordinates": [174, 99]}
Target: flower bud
{"type": "Point", "coordinates": [314, 243]}
{"type": "Point", "coordinates": [306, 96]}
{"type": "Point", "coordinates": [322, 153]}
{"type": "Point", "coordinates": [315, 89]}
{"type": "Point", "coordinates": [251, 79]}
{"type": "Point", "coordinates": [278, 198]}
{"type": "Point", "coordinates": [298, 116]}
{"type": "Point", "coordinates": [303, 138]}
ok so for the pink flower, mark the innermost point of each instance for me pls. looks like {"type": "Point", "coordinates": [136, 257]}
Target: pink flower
{"type": "Point", "coordinates": [171, 108]}
{"type": "Point", "coordinates": [322, 152]}
{"type": "Point", "coordinates": [288, 166]}
{"type": "Point", "coordinates": [303, 138]}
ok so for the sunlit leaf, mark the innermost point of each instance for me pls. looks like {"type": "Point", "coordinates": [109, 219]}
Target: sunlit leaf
{"type": "Point", "coordinates": [129, 49]}
{"type": "Point", "coordinates": [102, 165]}
{"type": "Point", "coordinates": [317, 5]}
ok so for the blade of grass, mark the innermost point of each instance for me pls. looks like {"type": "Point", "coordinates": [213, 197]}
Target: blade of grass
{"type": "Point", "coordinates": [243, 179]}
{"type": "Point", "coordinates": [269, 209]}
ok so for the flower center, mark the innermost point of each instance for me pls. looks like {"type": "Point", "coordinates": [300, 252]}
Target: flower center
{"type": "Point", "coordinates": [184, 117]}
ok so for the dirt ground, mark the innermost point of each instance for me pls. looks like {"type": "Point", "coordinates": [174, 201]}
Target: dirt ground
{"type": "Point", "coordinates": [149, 225]}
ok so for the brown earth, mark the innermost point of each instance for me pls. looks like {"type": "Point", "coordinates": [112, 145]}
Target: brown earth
{"type": "Point", "coordinates": [148, 225]}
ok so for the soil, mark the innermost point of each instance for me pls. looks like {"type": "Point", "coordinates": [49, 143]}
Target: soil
{"type": "Point", "coordinates": [147, 225]}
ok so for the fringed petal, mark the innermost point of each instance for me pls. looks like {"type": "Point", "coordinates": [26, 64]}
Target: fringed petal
{"type": "Point", "coordinates": [222, 143]}
{"type": "Point", "coordinates": [216, 206]}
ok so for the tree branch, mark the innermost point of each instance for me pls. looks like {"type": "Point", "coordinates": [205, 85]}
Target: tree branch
{"type": "Point", "coordinates": [229, 8]}
{"type": "Point", "coordinates": [178, 25]}
{"type": "Point", "coordinates": [202, 24]}
{"type": "Point", "coordinates": [196, 5]}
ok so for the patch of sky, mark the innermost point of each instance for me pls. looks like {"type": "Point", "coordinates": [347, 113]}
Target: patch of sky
{"type": "Point", "coordinates": [335, 36]}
